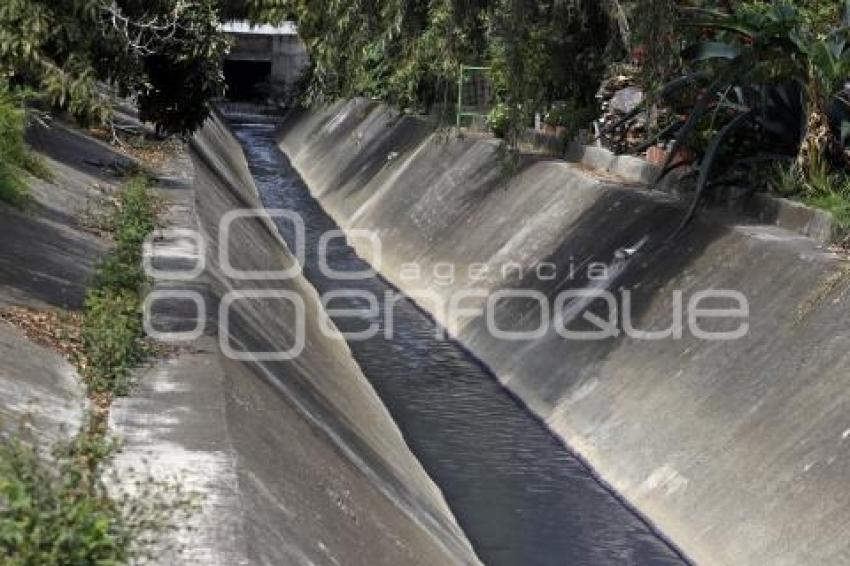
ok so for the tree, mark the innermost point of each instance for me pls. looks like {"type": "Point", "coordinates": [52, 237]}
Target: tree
{"type": "Point", "coordinates": [166, 52]}
{"type": "Point", "coordinates": [258, 11]}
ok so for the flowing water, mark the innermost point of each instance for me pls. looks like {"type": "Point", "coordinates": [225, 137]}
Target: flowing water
{"type": "Point", "coordinates": [522, 498]}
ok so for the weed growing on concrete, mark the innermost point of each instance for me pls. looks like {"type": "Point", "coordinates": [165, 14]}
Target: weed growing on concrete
{"type": "Point", "coordinates": [59, 508]}
{"type": "Point", "coordinates": [112, 333]}
{"type": "Point", "coordinates": [113, 340]}
{"type": "Point", "coordinates": [822, 189]}
{"type": "Point", "coordinates": [71, 504]}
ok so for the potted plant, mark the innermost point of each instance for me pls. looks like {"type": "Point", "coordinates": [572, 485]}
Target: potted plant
{"type": "Point", "coordinates": [557, 120]}
{"type": "Point", "coordinates": [498, 120]}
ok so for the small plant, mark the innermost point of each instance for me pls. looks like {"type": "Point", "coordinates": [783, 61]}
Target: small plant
{"type": "Point", "coordinates": [499, 119]}
{"type": "Point", "coordinates": [830, 191]}
{"type": "Point", "coordinates": [12, 189]}
{"type": "Point", "coordinates": [764, 81]}
{"type": "Point", "coordinates": [35, 164]}
{"type": "Point", "coordinates": [112, 333]}
{"type": "Point", "coordinates": [56, 509]}
{"type": "Point", "coordinates": [112, 340]}
{"type": "Point", "coordinates": [821, 188]}
{"type": "Point", "coordinates": [837, 204]}
{"type": "Point", "coordinates": [558, 115]}
{"type": "Point", "coordinates": [15, 156]}
{"type": "Point", "coordinates": [570, 115]}
{"type": "Point", "coordinates": [784, 180]}
{"type": "Point", "coordinates": [66, 505]}
{"type": "Point", "coordinates": [136, 219]}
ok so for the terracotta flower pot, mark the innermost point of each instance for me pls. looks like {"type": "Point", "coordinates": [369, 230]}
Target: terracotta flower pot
{"type": "Point", "coordinates": [657, 155]}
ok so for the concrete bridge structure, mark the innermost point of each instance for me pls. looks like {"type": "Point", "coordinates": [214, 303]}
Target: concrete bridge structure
{"type": "Point", "coordinates": [264, 62]}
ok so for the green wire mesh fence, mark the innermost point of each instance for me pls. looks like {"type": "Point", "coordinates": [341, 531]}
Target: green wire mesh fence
{"type": "Point", "coordinates": [474, 95]}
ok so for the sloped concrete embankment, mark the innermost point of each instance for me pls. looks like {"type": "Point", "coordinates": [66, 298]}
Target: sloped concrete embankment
{"type": "Point", "coordinates": [737, 450]}
{"type": "Point", "coordinates": [324, 474]}
{"type": "Point", "coordinates": [46, 261]}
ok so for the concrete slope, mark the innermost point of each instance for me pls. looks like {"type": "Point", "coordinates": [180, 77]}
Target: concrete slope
{"type": "Point", "coordinates": [299, 459]}
{"type": "Point", "coordinates": [46, 261]}
{"type": "Point", "coordinates": [38, 388]}
{"type": "Point", "coordinates": [737, 450]}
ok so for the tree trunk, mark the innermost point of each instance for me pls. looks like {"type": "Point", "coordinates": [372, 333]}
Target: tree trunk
{"type": "Point", "coordinates": [820, 147]}
{"type": "Point", "coordinates": [623, 24]}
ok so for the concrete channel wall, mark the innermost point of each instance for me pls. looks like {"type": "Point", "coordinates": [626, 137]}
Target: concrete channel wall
{"type": "Point", "coordinates": [46, 261]}
{"type": "Point", "coordinates": [338, 484]}
{"type": "Point", "coordinates": [739, 451]}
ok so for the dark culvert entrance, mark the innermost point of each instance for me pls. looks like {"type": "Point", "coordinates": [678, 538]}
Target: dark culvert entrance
{"type": "Point", "coordinates": [247, 81]}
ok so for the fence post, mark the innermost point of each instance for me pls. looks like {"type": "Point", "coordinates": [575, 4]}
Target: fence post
{"type": "Point", "coordinates": [459, 95]}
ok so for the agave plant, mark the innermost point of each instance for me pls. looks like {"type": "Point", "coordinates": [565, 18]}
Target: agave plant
{"type": "Point", "coordinates": [765, 87]}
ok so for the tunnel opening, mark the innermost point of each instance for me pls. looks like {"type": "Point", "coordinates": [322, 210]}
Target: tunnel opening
{"type": "Point", "coordinates": [247, 81]}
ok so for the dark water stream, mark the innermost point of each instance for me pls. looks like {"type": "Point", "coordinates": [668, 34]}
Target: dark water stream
{"type": "Point", "coordinates": [521, 497]}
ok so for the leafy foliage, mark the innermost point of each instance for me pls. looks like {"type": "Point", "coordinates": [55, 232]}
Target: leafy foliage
{"type": "Point", "coordinates": [498, 119]}
{"type": "Point", "coordinates": [12, 150]}
{"type": "Point", "coordinates": [259, 11]}
{"type": "Point", "coordinates": [548, 51]}
{"type": "Point", "coordinates": [60, 514]}
{"type": "Point", "coordinates": [184, 72]}
{"type": "Point", "coordinates": [56, 509]}
{"type": "Point", "coordinates": [408, 52]}
{"type": "Point", "coordinates": [168, 52]}
{"type": "Point", "coordinates": [14, 154]}
{"type": "Point", "coordinates": [760, 85]}
{"type": "Point", "coordinates": [113, 337]}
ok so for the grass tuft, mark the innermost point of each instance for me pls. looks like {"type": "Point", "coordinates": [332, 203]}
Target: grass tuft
{"type": "Point", "coordinates": [824, 189]}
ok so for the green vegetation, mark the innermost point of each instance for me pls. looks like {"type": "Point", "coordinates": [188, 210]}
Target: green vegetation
{"type": "Point", "coordinates": [408, 52]}
{"type": "Point", "coordinates": [166, 52]}
{"type": "Point", "coordinates": [823, 188]}
{"type": "Point", "coordinates": [724, 81]}
{"type": "Point", "coordinates": [569, 115]}
{"type": "Point", "coordinates": [56, 509]}
{"type": "Point", "coordinates": [742, 62]}
{"type": "Point", "coordinates": [12, 187]}
{"type": "Point", "coordinates": [112, 333]}
{"type": "Point", "coordinates": [77, 56]}
{"type": "Point", "coordinates": [113, 340]}
{"type": "Point", "coordinates": [58, 512]}
{"type": "Point", "coordinates": [15, 157]}
{"type": "Point", "coordinates": [261, 11]}
{"type": "Point", "coordinates": [745, 79]}
{"type": "Point", "coordinates": [498, 119]}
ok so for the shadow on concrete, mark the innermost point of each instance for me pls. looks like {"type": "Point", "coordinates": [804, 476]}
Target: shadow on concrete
{"type": "Point", "coordinates": [83, 153]}
{"type": "Point", "coordinates": [45, 261]}
{"type": "Point", "coordinates": [646, 274]}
